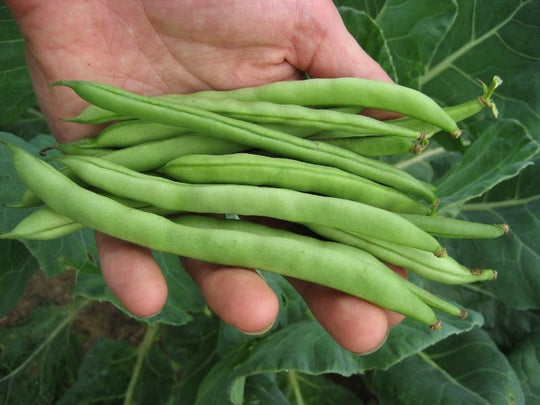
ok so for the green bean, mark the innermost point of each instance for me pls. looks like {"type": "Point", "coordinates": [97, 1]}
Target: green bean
{"type": "Point", "coordinates": [456, 228]}
{"type": "Point", "coordinates": [436, 302]}
{"type": "Point", "coordinates": [248, 134]}
{"type": "Point", "coordinates": [72, 148]}
{"type": "Point", "coordinates": [46, 224]}
{"type": "Point", "coordinates": [43, 224]}
{"type": "Point", "coordinates": [332, 92]}
{"type": "Point", "coordinates": [295, 115]}
{"type": "Point", "coordinates": [258, 170]}
{"type": "Point", "coordinates": [129, 133]}
{"type": "Point", "coordinates": [152, 155]}
{"type": "Point", "coordinates": [277, 253]}
{"type": "Point", "coordinates": [441, 269]}
{"type": "Point", "coordinates": [288, 205]}
{"type": "Point", "coordinates": [458, 112]}
{"type": "Point", "coordinates": [375, 146]}
{"type": "Point", "coordinates": [360, 256]}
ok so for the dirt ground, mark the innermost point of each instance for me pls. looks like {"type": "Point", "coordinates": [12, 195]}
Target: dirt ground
{"type": "Point", "coordinates": [96, 319]}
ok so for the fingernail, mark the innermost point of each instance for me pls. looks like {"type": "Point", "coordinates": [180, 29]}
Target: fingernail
{"type": "Point", "coordinates": [257, 333]}
{"type": "Point", "coordinates": [376, 348]}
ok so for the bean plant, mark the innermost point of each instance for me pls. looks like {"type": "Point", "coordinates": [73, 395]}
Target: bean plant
{"type": "Point", "coordinates": [456, 175]}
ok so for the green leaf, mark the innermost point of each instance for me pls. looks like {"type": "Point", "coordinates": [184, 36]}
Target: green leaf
{"type": "Point", "coordinates": [500, 153]}
{"type": "Point", "coordinates": [16, 268]}
{"type": "Point", "coordinates": [313, 390]}
{"type": "Point", "coordinates": [104, 374]}
{"type": "Point", "coordinates": [448, 373]}
{"type": "Point", "coordinates": [413, 30]}
{"type": "Point", "coordinates": [39, 358]}
{"type": "Point", "coordinates": [516, 256]}
{"type": "Point", "coordinates": [491, 38]}
{"type": "Point", "coordinates": [294, 348]}
{"type": "Point", "coordinates": [525, 359]}
{"type": "Point", "coordinates": [16, 91]}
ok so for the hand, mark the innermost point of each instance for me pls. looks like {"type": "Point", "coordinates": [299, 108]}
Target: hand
{"type": "Point", "coordinates": [156, 46]}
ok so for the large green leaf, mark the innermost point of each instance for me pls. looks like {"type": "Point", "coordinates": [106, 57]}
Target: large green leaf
{"type": "Point", "coordinates": [500, 153]}
{"type": "Point", "coordinates": [525, 359]}
{"type": "Point", "coordinates": [491, 38]}
{"type": "Point", "coordinates": [39, 358]}
{"type": "Point", "coordinates": [449, 373]}
{"type": "Point", "coordinates": [413, 30]}
{"type": "Point", "coordinates": [104, 375]}
{"type": "Point", "coordinates": [315, 353]}
{"type": "Point", "coordinates": [16, 267]}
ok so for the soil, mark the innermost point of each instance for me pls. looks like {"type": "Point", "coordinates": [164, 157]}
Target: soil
{"type": "Point", "coordinates": [96, 319]}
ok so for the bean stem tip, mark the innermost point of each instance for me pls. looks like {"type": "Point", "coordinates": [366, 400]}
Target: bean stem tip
{"type": "Point", "coordinates": [436, 325]}
{"type": "Point", "coordinates": [505, 228]}
{"type": "Point", "coordinates": [441, 253]}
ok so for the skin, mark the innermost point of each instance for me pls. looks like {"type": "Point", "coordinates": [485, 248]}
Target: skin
{"type": "Point", "coordinates": [157, 47]}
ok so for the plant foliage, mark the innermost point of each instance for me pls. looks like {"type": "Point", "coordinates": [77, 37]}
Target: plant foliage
{"type": "Point", "coordinates": [187, 356]}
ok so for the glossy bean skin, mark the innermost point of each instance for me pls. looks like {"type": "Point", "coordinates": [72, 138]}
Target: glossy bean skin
{"type": "Point", "coordinates": [246, 133]}
{"type": "Point", "coordinates": [457, 228]}
{"type": "Point", "coordinates": [288, 205]}
{"type": "Point", "coordinates": [440, 269]}
{"type": "Point", "coordinates": [259, 170]}
{"type": "Point", "coordinates": [303, 258]}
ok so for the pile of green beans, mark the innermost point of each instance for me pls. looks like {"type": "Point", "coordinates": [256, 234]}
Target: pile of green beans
{"type": "Point", "coordinates": [297, 152]}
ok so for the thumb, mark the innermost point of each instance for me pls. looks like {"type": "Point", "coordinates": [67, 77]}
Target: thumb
{"type": "Point", "coordinates": [327, 49]}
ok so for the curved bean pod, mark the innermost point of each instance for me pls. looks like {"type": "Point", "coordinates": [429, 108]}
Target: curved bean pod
{"type": "Point", "coordinates": [344, 91]}
{"type": "Point", "coordinates": [360, 256]}
{"type": "Point", "coordinates": [456, 228]}
{"type": "Point", "coordinates": [129, 133]}
{"type": "Point", "coordinates": [248, 134]}
{"type": "Point", "coordinates": [264, 112]}
{"type": "Point", "coordinates": [258, 170]}
{"type": "Point", "coordinates": [288, 205]}
{"type": "Point", "coordinates": [441, 269]}
{"type": "Point", "coordinates": [279, 253]}
{"type": "Point", "coordinates": [152, 155]}
{"type": "Point", "coordinates": [46, 224]}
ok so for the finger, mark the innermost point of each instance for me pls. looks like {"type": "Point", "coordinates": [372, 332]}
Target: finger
{"type": "Point", "coordinates": [240, 297]}
{"type": "Point", "coordinates": [132, 274]}
{"type": "Point", "coordinates": [355, 324]}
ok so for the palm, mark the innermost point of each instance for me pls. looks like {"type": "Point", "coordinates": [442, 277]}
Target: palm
{"type": "Point", "coordinates": [159, 46]}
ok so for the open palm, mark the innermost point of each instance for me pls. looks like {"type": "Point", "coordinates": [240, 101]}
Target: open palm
{"type": "Point", "coordinates": [157, 46]}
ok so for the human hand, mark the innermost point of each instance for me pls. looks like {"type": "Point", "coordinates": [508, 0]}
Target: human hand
{"type": "Point", "coordinates": [156, 47]}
